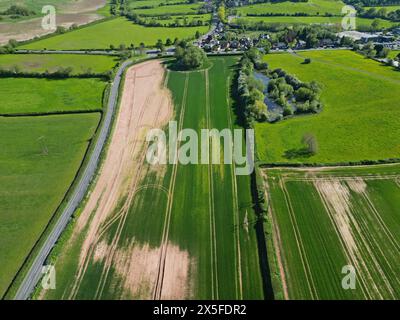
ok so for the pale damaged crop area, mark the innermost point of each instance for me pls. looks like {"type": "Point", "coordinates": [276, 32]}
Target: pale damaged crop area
{"type": "Point", "coordinates": [336, 231]}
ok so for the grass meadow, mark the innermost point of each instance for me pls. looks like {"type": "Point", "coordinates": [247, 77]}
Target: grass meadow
{"type": "Point", "coordinates": [327, 219]}
{"type": "Point", "coordinates": [387, 8]}
{"type": "Point", "coordinates": [38, 96]}
{"type": "Point", "coordinates": [40, 160]}
{"type": "Point", "coordinates": [360, 22]}
{"type": "Point", "coordinates": [102, 35]}
{"type": "Point", "coordinates": [312, 7]}
{"type": "Point", "coordinates": [172, 9]}
{"type": "Point", "coordinates": [51, 62]}
{"type": "Point", "coordinates": [210, 215]}
{"type": "Point", "coordinates": [180, 18]}
{"type": "Point", "coordinates": [359, 120]}
{"type": "Point", "coordinates": [152, 3]}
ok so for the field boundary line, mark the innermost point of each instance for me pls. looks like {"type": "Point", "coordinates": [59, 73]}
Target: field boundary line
{"type": "Point", "coordinates": [235, 202]}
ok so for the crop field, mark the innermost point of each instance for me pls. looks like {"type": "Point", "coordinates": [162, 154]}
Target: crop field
{"type": "Point", "coordinates": [360, 22]}
{"type": "Point", "coordinates": [69, 12]}
{"type": "Point", "coordinates": [42, 157]}
{"type": "Point", "coordinates": [311, 7]}
{"type": "Point", "coordinates": [190, 226]}
{"type": "Point", "coordinates": [32, 5]}
{"type": "Point", "coordinates": [173, 9]}
{"type": "Point", "coordinates": [358, 94]}
{"type": "Point", "coordinates": [102, 35]}
{"type": "Point", "coordinates": [180, 18]}
{"type": "Point", "coordinates": [36, 96]}
{"type": "Point", "coordinates": [52, 62]}
{"type": "Point", "coordinates": [387, 8]}
{"type": "Point", "coordinates": [326, 219]}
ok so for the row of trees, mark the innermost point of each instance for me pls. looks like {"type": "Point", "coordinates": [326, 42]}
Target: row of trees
{"type": "Point", "coordinates": [250, 92]}
{"type": "Point", "coordinates": [381, 13]}
{"type": "Point", "coordinates": [59, 73]}
{"type": "Point", "coordinates": [18, 10]}
{"type": "Point", "coordinates": [371, 50]}
{"type": "Point", "coordinates": [154, 21]}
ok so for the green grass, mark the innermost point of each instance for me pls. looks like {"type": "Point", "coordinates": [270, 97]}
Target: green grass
{"type": "Point", "coordinates": [51, 62]}
{"type": "Point", "coordinates": [312, 7]}
{"type": "Point", "coordinates": [316, 241]}
{"type": "Point", "coordinates": [189, 18]}
{"type": "Point", "coordinates": [388, 8]}
{"type": "Point", "coordinates": [35, 5]}
{"type": "Point", "coordinates": [153, 3]}
{"type": "Point", "coordinates": [173, 9]}
{"type": "Point", "coordinates": [35, 96]}
{"type": "Point", "coordinates": [102, 35]}
{"type": "Point", "coordinates": [40, 160]}
{"type": "Point", "coordinates": [360, 22]}
{"type": "Point", "coordinates": [204, 199]}
{"type": "Point", "coordinates": [394, 53]}
{"type": "Point", "coordinates": [359, 120]}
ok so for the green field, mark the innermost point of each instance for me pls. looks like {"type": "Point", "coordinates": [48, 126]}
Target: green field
{"type": "Point", "coordinates": [394, 53]}
{"type": "Point", "coordinates": [35, 5]}
{"type": "Point", "coordinates": [360, 118]}
{"type": "Point", "coordinates": [311, 7]}
{"type": "Point", "coordinates": [327, 219]}
{"type": "Point", "coordinates": [35, 96]}
{"type": "Point", "coordinates": [52, 62]}
{"type": "Point", "coordinates": [360, 22]}
{"type": "Point", "coordinates": [116, 31]}
{"type": "Point", "coordinates": [208, 215]}
{"type": "Point", "coordinates": [189, 18]}
{"type": "Point", "coordinates": [152, 3]}
{"type": "Point", "coordinates": [387, 8]}
{"type": "Point", "coordinates": [174, 9]}
{"type": "Point", "coordinates": [39, 161]}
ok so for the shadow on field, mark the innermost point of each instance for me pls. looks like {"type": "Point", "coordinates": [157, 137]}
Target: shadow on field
{"type": "Point", "coordinates": [297, 153]}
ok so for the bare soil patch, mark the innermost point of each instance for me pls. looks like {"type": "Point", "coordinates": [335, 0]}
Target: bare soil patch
{"type": "Point", "coordinates": [145, 103]}
{"type": "Point", "coordinates": [78, 12]}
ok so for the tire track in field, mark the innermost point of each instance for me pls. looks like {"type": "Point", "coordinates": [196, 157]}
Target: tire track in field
{"type": "Point", "coordinates": [82, 270]}
{"type": "Point", "coordinates": [125, 207]}
{"type": "Point", "coordinates": [276, 238]}
{"type": "Point", "coordinates": [157, 295]}
{"type": "Point", "coordinates": [236, 212]}
{"type": "Point", "coordinates": [213, 236]}
{"type": "Point", "coordinates": [351, 230]}
{"type": "Point", "coordinates": [346, 250]}
{"type": "Point", "coordinates": [131, 196]}
{"type": "Point", "coordinates": [300, 246]}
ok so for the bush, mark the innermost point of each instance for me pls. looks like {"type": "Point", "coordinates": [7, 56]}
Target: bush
{"type": "Point", "coordinates": [189, 57]}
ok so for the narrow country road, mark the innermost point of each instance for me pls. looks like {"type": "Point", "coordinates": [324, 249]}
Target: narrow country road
{"type": "Point", "coordinates": [35, 272]}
